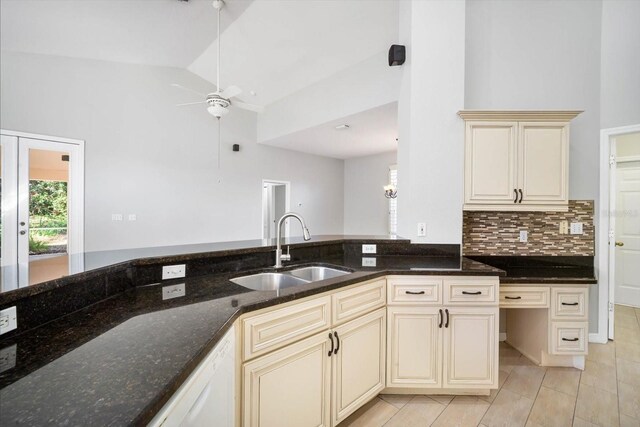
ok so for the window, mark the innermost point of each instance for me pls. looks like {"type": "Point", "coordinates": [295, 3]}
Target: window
{"type": "Point", "coordinates": [393, 203]}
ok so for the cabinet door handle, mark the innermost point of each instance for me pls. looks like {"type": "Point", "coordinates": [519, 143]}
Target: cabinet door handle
{"type": "Point", "coordinates": [569, 303]}
{"type": "Point", "coordinates": [472, 293]}
{"type": "Point", "coordinates": [337, 343]}
{"type": "Point", "coordinates": [520, 190]}
{"type": "Point", "coordinates": [414, 292]}
{"type": "Point", "coordinates": [332, 345]}
{"type": "Point", "coordinates": [570, 339]}
{"type": "Point", "coordinates": [508, 297]}
{"type": "Point", "coordinates": [440, 317]}
{"type": "Point", "coordinates": [446, 324]}
{"type": "Point", "coordinates": [515, 199]}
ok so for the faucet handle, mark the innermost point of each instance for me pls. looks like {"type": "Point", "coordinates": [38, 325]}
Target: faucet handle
{"type": "Point", "coordinates": [287, 256]}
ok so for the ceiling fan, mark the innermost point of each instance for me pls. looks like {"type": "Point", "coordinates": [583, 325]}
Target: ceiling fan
{"type": "Point", "coordinates": [219, 101]}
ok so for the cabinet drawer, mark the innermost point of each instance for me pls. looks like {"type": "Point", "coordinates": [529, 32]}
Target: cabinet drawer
{"type": "Point", "coordinates": [569, 303]}
{"type": "Point", "coordinates": [410, 290]}
{"type": "Point", "coordinates": [274, 329]}
{"type": "Point", "coordinates": [524, 297]}
{"type": "Point", "coordinates": [569, 337]}
{"type": "Point", "coordinates": [470, 291]}
{"type": "Point", "coordinates": [351, 303]}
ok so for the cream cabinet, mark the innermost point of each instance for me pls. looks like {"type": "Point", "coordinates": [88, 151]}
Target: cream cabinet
{"type": "Point", "coordinates": [318, 380]}
{"type": "Point", "coordinates": [517, 160]}
{"type": "Point", "coordinates": [414, 347]}
{"type": "Point", "coordinates": [290, 387]}
{"type": "Point", "coordinates": [358, 365]}
{"type": "Point", "coordinates": [470, 354]}
{"type": "Point", "coordinates": [442, 346]}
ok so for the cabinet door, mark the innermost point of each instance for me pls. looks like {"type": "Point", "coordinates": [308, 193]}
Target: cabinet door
{"type": "Point", "coordinates": [471, 348]}
{"type": "Point", "coordinates": [414, 350]}
{"type": "Point", "coordinates": [358, 364]}
{"type": "Point", "coordinates": [490, 162]}
{"type": "Point", "coordinates": [543, 164]}
{"type": "Point", "coordinates": [289, 387]}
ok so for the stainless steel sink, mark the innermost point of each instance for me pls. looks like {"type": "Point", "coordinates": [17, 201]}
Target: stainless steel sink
{"type": "Point", "coordinates": [269, 281]}
{"type": "Point", "coordinates": [313, 274]}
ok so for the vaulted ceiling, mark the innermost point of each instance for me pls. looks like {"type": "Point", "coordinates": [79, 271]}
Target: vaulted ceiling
{"type": "Point", "coordinates": [274, 48]}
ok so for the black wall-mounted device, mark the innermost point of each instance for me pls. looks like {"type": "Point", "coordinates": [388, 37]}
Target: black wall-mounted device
{"type": "Point", "coordinates": [397, 55]}
{"type": "Point", "coordinates": [236, 147]}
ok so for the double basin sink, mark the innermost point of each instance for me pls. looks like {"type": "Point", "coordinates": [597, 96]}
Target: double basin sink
{"type": "Point", "coordinates": [287, 279]}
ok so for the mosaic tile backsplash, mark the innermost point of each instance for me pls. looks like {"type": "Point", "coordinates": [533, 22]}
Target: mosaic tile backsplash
{"type": "Point", "coordinates": [498, 233]}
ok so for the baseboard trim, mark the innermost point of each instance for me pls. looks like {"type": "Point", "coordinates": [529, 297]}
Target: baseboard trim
{"type": "Point", "coordinates": [598, 338]}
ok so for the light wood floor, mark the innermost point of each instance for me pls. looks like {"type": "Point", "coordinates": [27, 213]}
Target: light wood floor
{"type": "Point", "coordinates": [606, 393]}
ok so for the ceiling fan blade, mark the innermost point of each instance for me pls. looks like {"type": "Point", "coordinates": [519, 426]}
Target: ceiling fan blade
{"type": "Point", "coordinates": [250, 107]}
{"type": "Point", "coordinates": [190, 103]}
{"type": "Point", "coordinates": [231, 91]}
{"type": "Point", "coordinates": [188, 90]}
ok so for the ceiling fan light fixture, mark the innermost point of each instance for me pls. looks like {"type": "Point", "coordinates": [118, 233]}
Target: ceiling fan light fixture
{"type": "Point", "coordinates": [217, 110]}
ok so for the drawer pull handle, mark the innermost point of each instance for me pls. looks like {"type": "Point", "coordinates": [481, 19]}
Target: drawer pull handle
{"type": "Point", "coordinates": [440, 317]}
{"type": "Point", "coordinates": [516, 198]}
{"type": "Point", "coordinates": [472, 293]}
{"type": "Point", "coordinates": [337, 342]}
{"type": "Point", "coordinates": [414, 293]}
{"type": "Point", "coordinates": [332, 345]}
{"type": "Point", "coordinates": [508, 297]}
{"type": "Point", "coordinates": [570, 339]}
{"type": "Point", "coordinates": [569, 303]}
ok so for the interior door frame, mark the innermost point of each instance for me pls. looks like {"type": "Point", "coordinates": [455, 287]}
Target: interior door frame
{"type": "Point", "coordinates": [75, 243]}
{"type": "Point", "coordinates": [287, 203]}
{"type": "Point", "coordinates": [9, 212]}
{"type": "Point", "coordinates": [605, 271]}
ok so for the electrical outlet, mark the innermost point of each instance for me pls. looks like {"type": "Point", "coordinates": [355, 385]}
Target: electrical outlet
{"type": "Point", "coordinates": [368, 262]}
{"type": "Point", "coordinates": [132, 217]}
{"type": "Point", "coordinates": [8, 358]}
{"type": "Point", "coordinates": [369, 249]}
{"type": "Point", "coordinates": [422, 229]}
{"type": "Point", "coordinates": [576, 228]}
{"type": "Point", "coordinates": [173, 291]}
{"type": "Point", "coordinates": [173, 271]}
{"type": "Point", "coordinates": [564, 227]}
{"type": "Point", "coordinates": [524, 236]}
{"type": "Point", "coordinates": [8, 320]}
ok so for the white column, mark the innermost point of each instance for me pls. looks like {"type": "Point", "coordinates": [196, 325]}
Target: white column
{"type": "Point", "coordinates": [431, 135]}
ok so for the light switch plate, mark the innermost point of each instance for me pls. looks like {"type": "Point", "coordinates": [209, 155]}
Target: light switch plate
{"type": "Point", "coordinates": [576, 228]}
{"type": "Point", "coordinates": [368, 261]}
{"type": "Point", "coordinates": [369, 249]}
{"type": "Point", "coordinates": [173, 271]}
{"type": "Point", "coordinates": [173, 291]}
{"type": "Point", "coordinates": [524, 236]}
{"type": "Point", "coordinates": [8, 320]}
{"type": "Point", "coordinates": [116, 217]}
{"type": "Point", "coordinates": [564, 227]}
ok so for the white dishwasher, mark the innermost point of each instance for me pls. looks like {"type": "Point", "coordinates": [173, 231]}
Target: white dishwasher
{"type": "Point", "coordinates": [207, 397]}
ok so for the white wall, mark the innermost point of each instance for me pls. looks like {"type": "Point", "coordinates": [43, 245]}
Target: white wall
{"type": "Point", "coordinates": [366, 210]}
{"type": "Point", "coordinates": [620, 91]}
{"type": "Point", "coordinates": [431, 135]}
{"type": "Point", "coordinates": [148, 157]}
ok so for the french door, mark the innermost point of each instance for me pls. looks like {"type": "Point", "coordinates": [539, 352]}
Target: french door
{"type": "Point", "coordinates": [42, 201]}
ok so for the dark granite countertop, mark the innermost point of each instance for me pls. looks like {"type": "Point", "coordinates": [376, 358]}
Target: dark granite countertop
{"type": "Point", "coordinates": [567, 270]}
{"type": "Point", "coordinates": [118, 361]}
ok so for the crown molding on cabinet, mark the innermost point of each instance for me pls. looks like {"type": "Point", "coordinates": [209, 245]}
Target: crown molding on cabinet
{"type": "Point", "coordinates": [520, 115]}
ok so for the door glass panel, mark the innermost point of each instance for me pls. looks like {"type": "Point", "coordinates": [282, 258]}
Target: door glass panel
{"type": "Point", "coordinates": [48, 215]}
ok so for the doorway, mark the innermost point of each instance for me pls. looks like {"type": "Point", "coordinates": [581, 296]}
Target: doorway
{"type": "Point", "coordinates": [619, 237]}
{"type": "Point", "coordinates": [42, 202]}
{"type": "Point", "coordinates": [275, 203]}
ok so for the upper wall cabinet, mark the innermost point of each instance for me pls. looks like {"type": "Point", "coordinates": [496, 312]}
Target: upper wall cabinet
{"type": "Point", "coordinates": [517, 160]}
